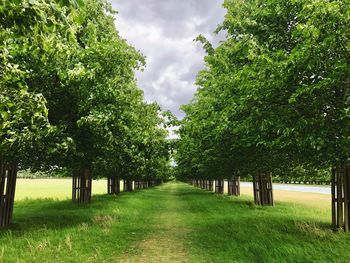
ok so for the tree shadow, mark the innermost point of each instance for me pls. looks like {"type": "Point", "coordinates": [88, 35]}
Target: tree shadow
{"type": "Point", "coordinates": [235, 228]}
{"type": "Point", "coordinates": [34, 214]}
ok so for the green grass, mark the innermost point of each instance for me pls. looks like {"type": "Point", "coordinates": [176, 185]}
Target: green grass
{"type": "Point", "coordinates": [52, 188]}
{"type": "Point", "coordinates": [170, 223]}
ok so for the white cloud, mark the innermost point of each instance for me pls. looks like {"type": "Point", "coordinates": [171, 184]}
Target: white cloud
{"type": "Point", "coordinates": [164, 32]}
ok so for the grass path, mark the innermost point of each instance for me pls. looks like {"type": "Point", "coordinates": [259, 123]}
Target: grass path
{"type": "Point", "coordinates": [172, 223]}
{"type": "Point", "coordinates": [168, 231]}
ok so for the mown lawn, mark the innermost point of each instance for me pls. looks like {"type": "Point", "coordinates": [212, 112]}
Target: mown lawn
{"type": "Point", "coordinates": [52, 188]}
{"type": "Point", "coordinates": [170, 223]}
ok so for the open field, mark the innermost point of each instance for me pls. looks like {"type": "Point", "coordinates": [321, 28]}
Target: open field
{"type": "Point", "coordinates": [52, 188]}
{"type": "Point", "coordinates": [173, 223]}
{"type": "Point", "coordinates": [319, 201]}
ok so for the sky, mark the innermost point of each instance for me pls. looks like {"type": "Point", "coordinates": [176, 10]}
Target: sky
{"type": "Point", "coordinates": [164, 30]}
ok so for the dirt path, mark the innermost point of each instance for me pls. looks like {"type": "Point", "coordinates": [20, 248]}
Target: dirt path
{"type": "Point", "coordinates": [165, 244]}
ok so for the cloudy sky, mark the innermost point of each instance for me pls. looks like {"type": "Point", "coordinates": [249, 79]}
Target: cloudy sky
{"type": "Point", "coordinates": [164, 30]}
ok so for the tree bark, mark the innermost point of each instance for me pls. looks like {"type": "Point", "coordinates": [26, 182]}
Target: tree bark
{"type": "Point", "coordinates": [145, 184]}
{"type": "Point", "coordinates": [341, 198]}
{"type": "Point", "coordinates": [128, 185]}
{"type": "Point", "coordinates": [234, 186]}
{"type": "Point", "coordinates": [113, 185]}
{"type": "Point", "coordinates": [210, 187]}
{"type": "Point", "coordinates": [262, 188]}
{"type": "Point", "coordinates": [219, 186]}
{"type": "Point", "coordinates": [82, 181]}
{"type": "Point", "coordinates": [8, 177]}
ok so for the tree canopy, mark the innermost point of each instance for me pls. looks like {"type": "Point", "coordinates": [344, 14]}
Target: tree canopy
{"type": "Point", "coordinates": [274, 94]}
{"type": "Point", "coordinates": [69, 97]}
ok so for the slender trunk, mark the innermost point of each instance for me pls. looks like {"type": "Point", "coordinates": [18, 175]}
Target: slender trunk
{"type": "Point", "coordinates": [234, 186]}
{"type": "Point", "coordinates": [82, 182]}
{"type": "Point", "coordinates": [219, 186]}
{"type": "Point", "coordinates": [262, 188]}
{"type": "Point", "coordinates": [128, 185]}
{"type": "Point", "coordinates": [113, 185]}
{"type": "Point", "coordinates": [210, 187]}
{"type": "Point", "coordinates": [341, 198]}
{"type": "Point", "coordinates": [8, 177]}
{"type": "Point", "coordinates": [145, 184]}
{"type": "Point", "coordinates": [136, 184]}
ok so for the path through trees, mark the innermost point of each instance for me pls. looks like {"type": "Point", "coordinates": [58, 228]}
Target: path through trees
{"type": "Point", "coordinates": [165, 243]}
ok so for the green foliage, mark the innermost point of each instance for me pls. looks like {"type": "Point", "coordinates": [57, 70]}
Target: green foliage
{"type": "Point", "coordinates": [303, 175]}
{"type": "Point", "coordinates": [274, 94]}
{"type": "Point", "coordinates": [68, 95]}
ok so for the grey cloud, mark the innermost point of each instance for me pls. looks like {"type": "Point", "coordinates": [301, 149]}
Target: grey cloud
{"type": "Point", "coordinates": [163, 30]}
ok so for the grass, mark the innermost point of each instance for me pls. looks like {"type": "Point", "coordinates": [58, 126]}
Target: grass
{"type": "Point", "coordinates": [60, 189]}
{"type": "Point", "coordinates": [171, 223]}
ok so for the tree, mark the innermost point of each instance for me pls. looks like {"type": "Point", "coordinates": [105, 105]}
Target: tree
{"type": "Point", "coordinates": [25, 27]}
{"type": "Point", "coordinates": [274, 96]}
{"type": "Point", "coordinates": [69, 98]}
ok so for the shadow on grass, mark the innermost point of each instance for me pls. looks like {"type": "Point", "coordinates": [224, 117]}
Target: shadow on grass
{"type": "Point", "coordinates": [233, 229]}
{"type": "Point", "coordinates": [33, 214]}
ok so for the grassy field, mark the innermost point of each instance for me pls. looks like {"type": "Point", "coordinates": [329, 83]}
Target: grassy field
{"type": "Point", "coordinates": [60, 189]}
{"type": "Point", "coordinates": [171, 223]}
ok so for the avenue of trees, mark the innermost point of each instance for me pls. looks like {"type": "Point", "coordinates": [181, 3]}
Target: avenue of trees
{"type": "Point", "coordinates": [69, 100]}
{"type": "Point", "coordinates": [274, 98]}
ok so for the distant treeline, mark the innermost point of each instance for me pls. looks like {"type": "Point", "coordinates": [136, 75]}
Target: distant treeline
{"type": "Point", "coordinates": [26, 174]}
{"type": "Point", "coordinates": [300, 175]}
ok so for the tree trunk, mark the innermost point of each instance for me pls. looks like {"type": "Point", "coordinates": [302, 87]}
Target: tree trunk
{"type": "Point", "coordinates": [136, 184]}
{"type": "Point", "coordinates": [127, 185]}
{"type": "Point", "coordinates": [210, 186]}
{"type": "Point", "coordinates": [219, 186]}
{"type": "Point", "coordinates": [262, 188]}
{"type": "Point", "coordinates": [8, 177]}
{"type": "Point", "coordinates": [340, 198]}
{"type": "Point", "coordinates": [234, 186]}
{"type": "Point", "coordinates": [145, 184]}
{"type": "Point", "coordinates": [82, 182]}
{"type": "Point", "coordinates": [113, 185]}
